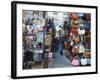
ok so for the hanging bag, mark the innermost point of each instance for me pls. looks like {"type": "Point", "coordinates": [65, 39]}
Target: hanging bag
{"type": "Point", "coordinates": [83, 61]}
{"type": "Point", "coordinates": [81, 31]}
{"type": "Point", "coordinates": [74, 16]}
{"type": "Point", "coordinates": [81, 49]}
{"type": "Point", "coordinates": [75, 61]}
{"type": "Point", "coordinates": [50, 55]}
{"type": "Point", "coordinates": [75, 49]}
{"type": "Point", "coordinates": [76, 38]}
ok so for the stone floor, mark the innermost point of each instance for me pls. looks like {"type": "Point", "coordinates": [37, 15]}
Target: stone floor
{"type": "Point", "coordinates": [60, 61]}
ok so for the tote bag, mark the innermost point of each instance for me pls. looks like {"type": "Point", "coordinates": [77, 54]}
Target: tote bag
{"type": "Point", "coordinates": [83, 61]}
{"type": "Point", "coordinates": [81, 49]}
{"type": "Point", "coordinates": [75, 62]}
{"type": "Point", "coordinates": [81, 31]}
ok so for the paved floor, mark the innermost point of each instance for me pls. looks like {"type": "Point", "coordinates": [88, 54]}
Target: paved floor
{"type": "Point", "coordinates": [60, 61]}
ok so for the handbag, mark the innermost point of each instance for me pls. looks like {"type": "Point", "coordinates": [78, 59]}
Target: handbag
{"type": "Point", "coordinates": [48, 40]}
{"type": "Point", "coordinates": [71, 43]}
{"type": "Point", "coordinates": [75, 62]}
{"type": "Point", "coordinates": [81, 31]}
{"type": "Point", "coordinates": [75, 49]}
{"type": "Point", "coordinates": [74, 22]}
{"type": "Point", "coordinates": [87, 17]}
{"type": "Point", "coordinates": [65, 43]}
{"type": "Point", "coordinates": [74, 16]}
{"type": "Point", "coordinates": [74, 30]}
{"type": "Point", "coordinates": [76, 38]}
{"type": "Point", "coordinates": [50, 54]}
{"type": "Point", "coordinates": [83, 61]}
{"type": "Point", "coordinates": [87, 54]}
{"type": "Point", "coordinates": [88, 61]}
{"type": "Point", "coordinates": [81, 49]}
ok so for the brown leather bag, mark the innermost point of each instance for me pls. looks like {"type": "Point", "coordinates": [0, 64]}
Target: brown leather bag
{"type": "Point", "coordinates": [87, 54]}
{"type": "Point", "coordinates": [77, 39]}
{"type": "Point", "coordinates": [74, 22]}
{"type": "Point", "coordinates": [74, 29]}
{"type": "Point", "coordinates": [74, 16]}
{"type": "Point", "coordinates": [87, 17]}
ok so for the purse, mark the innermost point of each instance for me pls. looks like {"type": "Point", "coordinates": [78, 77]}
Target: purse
{"type": "Point", "coordinates": [74, 16]}
{"type": "Point", "coordinates": [81, 49]}
{"type": "Point", "coordinates": [88, 61]}
{"type": "Point", "coordinates": [50, 54]}
{"type": "Point", "coordinates": [48, 40]}
{"type": "Point", "coordinates": [83, 61]}
{"type": "Point", "coordinates": [75, 62]}
{"type": "Point", "coordinates": [81, 31]}
{"type": "Point", "coordinates": [74, 22]}
{"type": "Point", "coordinates": [75, 49]}
{"type": "Point", "coordinates": [65, 43]}
{"type": "Point", "coordinates": [74, 30]}
{"type": "Point", "coordinates": [76, 38]}
{"type": "Point", "coordinates": [71, 43]}
{"type": "Point", "coordinates": [87, 54]}
{"type": "Point", "coordinates": [87, 17]}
